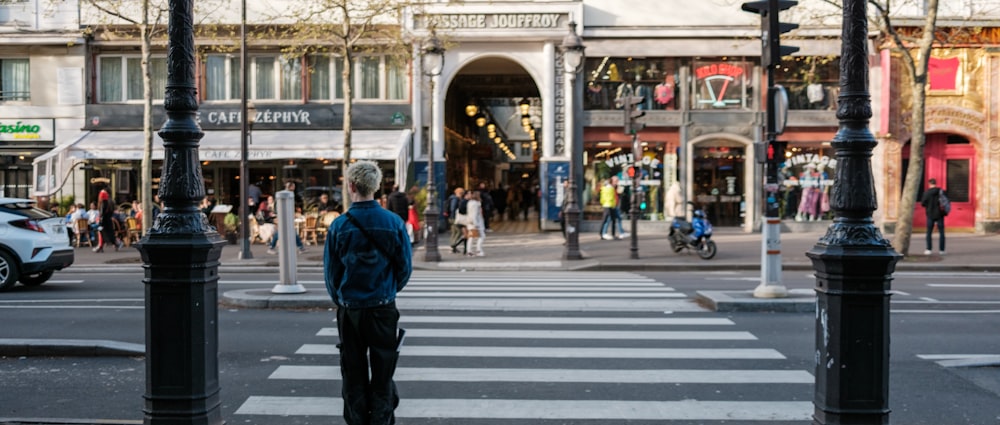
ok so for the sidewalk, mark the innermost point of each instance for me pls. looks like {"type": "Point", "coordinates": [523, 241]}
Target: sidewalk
{"type": "Point", "coordinates": [544, 251]}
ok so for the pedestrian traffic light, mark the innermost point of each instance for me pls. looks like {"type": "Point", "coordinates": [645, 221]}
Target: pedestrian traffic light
{"type": "Point", "coordinates": [771, 29]}
{"type": "Point", "coordinates": [630, 171]}
{"type": "Point", "coordinates": [632, 105]}
{"type": "Point", "coordinates": [776, 151]}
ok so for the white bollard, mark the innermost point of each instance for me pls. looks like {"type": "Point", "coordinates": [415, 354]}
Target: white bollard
{"type": "Point", "coordinates": [287, 283]}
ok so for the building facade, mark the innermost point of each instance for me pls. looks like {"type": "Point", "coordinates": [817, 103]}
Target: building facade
{"type": "Point", "coordinates": [41, 91]}
{"type": "Point", "coordinates": [697, 71]}
{"type": "Point", "coordinates": [962, 145]}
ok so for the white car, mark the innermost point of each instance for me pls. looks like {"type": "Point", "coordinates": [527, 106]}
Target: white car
{"type": "Point", "coordinates": [33, 243]}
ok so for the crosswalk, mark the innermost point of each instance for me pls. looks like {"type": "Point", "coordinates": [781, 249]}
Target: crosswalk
{"type": "Point", "coordinates": [567, 365]}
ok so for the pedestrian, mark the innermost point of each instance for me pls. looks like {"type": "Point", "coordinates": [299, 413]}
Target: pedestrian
{"type": "Point", "coordinates": [462, 222]}
{"type": "Point", "coordinates": [476, 227]}
{"type": "Point", "coordinates": [675, 202]}
{"type": "Point", "coordinates": [609, 202]}
{"type": "Point", "coordinates": [367, 261]}
{"type": "Point", "coordinates": [254, 193]}
{"type": "Point", "coordinates": [487, 202]}
{"type": "Point", "coordinates": [932, 208]}
{"type": "Point", "coordinates": [451, 212]}
{"type": "Point", "coordinates": [106, 226]}
{"type": "Point", "coordinates": [398, 203]}
{"type": "Point", "coordinates": [562, 210]}
{"type": "Point", "coordinates": [513, 202]}
{"type": "Point", "coordinates": [499, 196]}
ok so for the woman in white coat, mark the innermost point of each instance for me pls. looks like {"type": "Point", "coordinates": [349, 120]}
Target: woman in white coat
{"type": "Point", "coordinates": [477, 226]}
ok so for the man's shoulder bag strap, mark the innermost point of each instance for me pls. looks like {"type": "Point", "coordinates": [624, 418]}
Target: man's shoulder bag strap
{"type": "Point", "coordinates": [371, 240]}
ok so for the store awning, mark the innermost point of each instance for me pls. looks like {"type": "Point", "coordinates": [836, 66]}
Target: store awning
{"type": "Point", "coordinates": [264, 145]}
{"type": "Point", "coordinates": [53, 168]}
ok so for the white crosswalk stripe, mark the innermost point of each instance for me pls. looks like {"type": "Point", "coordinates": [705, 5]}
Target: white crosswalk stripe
{"type": "Point", "coordinates": [593, 365]}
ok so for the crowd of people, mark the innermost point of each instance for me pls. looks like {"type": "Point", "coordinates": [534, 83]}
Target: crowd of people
{"type": "Point", "coordinates": [104, 219]}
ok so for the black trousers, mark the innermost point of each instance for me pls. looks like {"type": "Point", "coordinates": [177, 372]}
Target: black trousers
{"type": "Point", "coordinates": [368, 343]}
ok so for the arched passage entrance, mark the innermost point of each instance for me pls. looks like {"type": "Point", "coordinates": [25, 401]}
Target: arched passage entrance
{"type": "Point", "coordinates": [494, 138]}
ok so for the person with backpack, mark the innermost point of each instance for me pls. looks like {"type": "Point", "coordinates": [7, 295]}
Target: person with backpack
{"type": "Point", "coordinates": [936, 206]}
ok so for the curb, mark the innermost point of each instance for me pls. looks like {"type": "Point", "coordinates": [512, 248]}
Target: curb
{"type": "Point", "coordinates": [264, 299]}
{"type": "Point", "coordinates": [797, 301]}
{"type": "Point", "coordinates": [65, 421]}
{"type": "Point", "coordinates": [68, 347]}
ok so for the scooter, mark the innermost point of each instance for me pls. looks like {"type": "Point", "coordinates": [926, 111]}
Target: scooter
{"type": "Point", "coordinates": [681, 235]}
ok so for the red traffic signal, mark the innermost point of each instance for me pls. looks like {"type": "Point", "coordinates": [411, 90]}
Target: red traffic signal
{"type": "Point", "coordinates": [631, 172]}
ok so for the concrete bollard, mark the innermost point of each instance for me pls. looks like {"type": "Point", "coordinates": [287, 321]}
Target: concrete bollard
{"type": "Point", "coordinates": [287, 283]}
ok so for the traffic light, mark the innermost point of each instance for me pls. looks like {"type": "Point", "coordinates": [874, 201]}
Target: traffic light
{"type": "Point", "coordinates": [632, 105]}
{"type": "Point", "coordinates": [771, 29]}
{"type": "Point", "coordinates": [630, 171]}
{"type": "Point", "coordinates": [776, 152]}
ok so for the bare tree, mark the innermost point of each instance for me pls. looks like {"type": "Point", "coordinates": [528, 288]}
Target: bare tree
{"type": "Point", "coordinates": [142, 19]}
{"type": "Point", "coordinates": [148, 23]}
{"type": "Point", "coordinates": [347, 29]}
{"type": "Point", "coordinates": [915, 53]}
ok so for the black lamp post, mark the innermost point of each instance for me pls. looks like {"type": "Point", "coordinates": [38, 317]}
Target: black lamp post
{"type": "Point", "coordinates": [572, 47]}
{"type": "Point", "coordinates": [432, 61]}
{"type": "Point", "coordinates": [853, 263]}
{"type": "Point", "coordinates": [180, 255]}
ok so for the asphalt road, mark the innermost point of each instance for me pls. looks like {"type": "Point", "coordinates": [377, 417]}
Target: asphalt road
{"type": "Point", "coordinates": [278, 356]}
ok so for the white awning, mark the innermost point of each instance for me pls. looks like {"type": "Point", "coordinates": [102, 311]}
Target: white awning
{"type": "Point", "coordinates": [264, 145]}
{"type": "Point", "coordinates": [53, 168]}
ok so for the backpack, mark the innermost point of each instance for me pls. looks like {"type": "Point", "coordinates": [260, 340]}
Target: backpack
{"type": "Point", "coordinates": [462, 206]}
{"type": "Point", "coordinates": [944, 203]}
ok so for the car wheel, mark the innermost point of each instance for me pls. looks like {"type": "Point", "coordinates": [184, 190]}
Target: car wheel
{"type": "Point", "coordinates": [8, 271]}
{"type": "Point", "coordinates": [37, 278]}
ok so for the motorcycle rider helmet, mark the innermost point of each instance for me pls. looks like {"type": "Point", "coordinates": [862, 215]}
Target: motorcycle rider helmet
{"type": "Point", "coordinates": [699, 214]}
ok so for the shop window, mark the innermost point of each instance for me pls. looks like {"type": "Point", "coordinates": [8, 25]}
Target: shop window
{"type": "Point", "coordinates": [720, 84]}
{"type": "Point", "coordinates": [608, 78]}
{"type": "Point", "coordinates": [812, 82]}
{"type": "Point", "coordinates": [807, 175]}
{"type": "Point", "coordinates": [15, 79]}
{"type": "Point", "coordinates": [120, 78]}
{"type": "Point", "coordinates": [606, 160]}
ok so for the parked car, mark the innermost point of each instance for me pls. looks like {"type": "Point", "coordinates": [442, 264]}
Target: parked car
{"type": "Point", "coordinates": [33, 244]}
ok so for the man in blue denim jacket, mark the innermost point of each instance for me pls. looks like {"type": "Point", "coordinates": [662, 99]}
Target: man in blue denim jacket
{"type": "Point", "coordinates": [366, 261]}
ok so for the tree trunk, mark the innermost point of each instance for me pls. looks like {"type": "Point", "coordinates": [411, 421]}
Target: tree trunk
{"type": "Point", "coordinates": [348, 97]}
{"type": "Point", "coordinates": [914, 172]}
{"type": "Point", "coordinates": [146, 185]}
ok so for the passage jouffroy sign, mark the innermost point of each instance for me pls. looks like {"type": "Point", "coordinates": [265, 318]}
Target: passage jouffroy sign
{"type": "Point", "coordinates": [492, 21]}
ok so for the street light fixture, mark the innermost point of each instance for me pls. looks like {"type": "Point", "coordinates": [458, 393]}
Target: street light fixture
{"type": "Point", "coordinates": [573, 49]}
{"type": "Point", "coordinates": [432, 62]}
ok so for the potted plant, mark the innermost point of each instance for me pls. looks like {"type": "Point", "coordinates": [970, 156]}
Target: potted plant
{"type": "Point", "coordinates": [232, 223]}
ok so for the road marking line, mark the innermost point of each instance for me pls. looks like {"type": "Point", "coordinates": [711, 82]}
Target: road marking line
{"type": "Point", "coordinates": [574, 294]}
{"type": "Point", "coordinates": [953, 356]}
{"type": "Point", "coordinates": [691, 410]}
{"type": "Point", "coordinates": [72, 307]}
{"type": "Point", "coordinates": [568, 334]}
{"type": "Point", "coordinates": [627, 376]}
{"type": "Point", "coordinates": [963, 285]}
{"type": "Point", "coordinates": [929, 299]}
{"type": "Point", "coordinates": [411, 318]}
{"type": "Point", "coordinates": [948, 311]}
{"type": "Point", "coordinates": [79, 300]}
{"type": "Point", "coordinates": [568, 352]}
{"type": "Point", "coordinates": [539, 287]}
